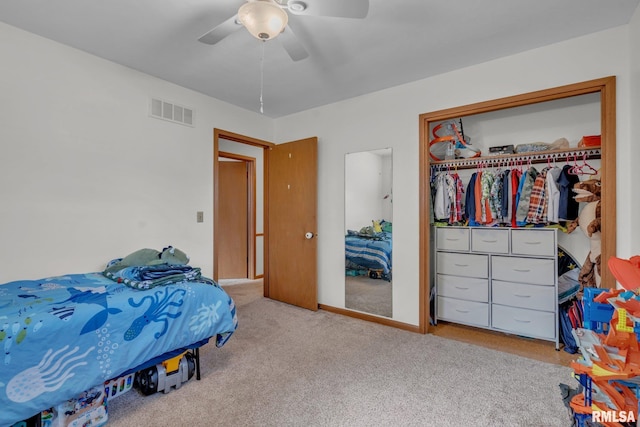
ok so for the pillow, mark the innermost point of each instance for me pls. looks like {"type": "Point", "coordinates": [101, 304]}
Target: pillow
{"type": "Point", "coordinates": [376, 226]}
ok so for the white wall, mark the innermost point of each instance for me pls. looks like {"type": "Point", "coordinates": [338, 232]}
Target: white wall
{"type": "Point", "coordinates": [390, 118]}
{"type": "Point", "coordinates": [86, 175]}
{"type": "Point", "coordinates": [365, 189]}
{"type": "Point", "coordinates": [387, 188]}
{"type": "Point", "coordinates": [630, 225]}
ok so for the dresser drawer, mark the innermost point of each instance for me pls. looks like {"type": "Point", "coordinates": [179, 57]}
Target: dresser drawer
{"type": "Point", "coordinates": [457, 264]}
{"type": "Point", "coordinates": [534, 297]}
{"type": "Point", "coordinates": [533, 242]}
{"type": "Point", "coordinates": [490, 240]}
{"type": "Point", "coordinates": [523, 270]}
{"type": "Point", "coordinates": [533, 323]}
{"type": "Point", "coordinates": [463, 288]}
{"type": "Point", "coordinates": [460, 311]}
{"type": "Point", "coordinates": [452, 239]}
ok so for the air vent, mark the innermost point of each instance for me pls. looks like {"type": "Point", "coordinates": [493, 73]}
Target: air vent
{"type": "Point", "coordinates": [164, 110]}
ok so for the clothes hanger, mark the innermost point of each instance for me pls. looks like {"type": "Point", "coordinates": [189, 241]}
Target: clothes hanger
{"type": "Point", "coordinates": [586, 168]}
{"type": "Point", "coordinates": [575, 170]}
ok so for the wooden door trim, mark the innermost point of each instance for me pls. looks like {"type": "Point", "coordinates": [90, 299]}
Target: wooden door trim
{"type": "Point", "coordinates": [251, 208]}
{"type": "Point", "coordinates": [265, 145]}
{"type": "Point", "coordinates": [606, 86]}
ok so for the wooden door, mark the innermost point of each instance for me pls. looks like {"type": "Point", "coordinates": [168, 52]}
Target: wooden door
{"type": "Point", "coordinates": [233, 232]}
{"type": "Point", "coordinates": [292, 213]}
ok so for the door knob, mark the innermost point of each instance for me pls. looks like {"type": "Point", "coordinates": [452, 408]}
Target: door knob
{"type": "Point", "coordinates": [308, 235]}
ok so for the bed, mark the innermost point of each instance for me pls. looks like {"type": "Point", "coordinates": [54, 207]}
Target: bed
{"type": "Point", "coordinates": [63, 335]}
{"type": "Point", "coordinates": [370, 250]}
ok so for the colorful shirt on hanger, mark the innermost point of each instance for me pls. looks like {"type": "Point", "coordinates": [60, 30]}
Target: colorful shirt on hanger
{"type": "Point", "coordinates": [553, 194]}
{"type": "Point", "coordinates": [537, 213]}
{"type": "Point", "coordinates": [486, 181]}
{"type": "Point", "coordinates": [567, 206]}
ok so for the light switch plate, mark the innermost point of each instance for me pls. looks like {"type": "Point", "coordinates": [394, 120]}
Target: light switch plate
{"type": "Point", "coordinates": [199, 216]}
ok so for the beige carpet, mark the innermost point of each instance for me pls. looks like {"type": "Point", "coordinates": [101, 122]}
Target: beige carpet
{"type": "Point", "coordinates": [287, 366]}
{"type": "Point", "coordinates": [372, 296]}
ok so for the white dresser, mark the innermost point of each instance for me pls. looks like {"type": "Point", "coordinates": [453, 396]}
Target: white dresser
{"type": "Point", "coordinates": [504, 279]}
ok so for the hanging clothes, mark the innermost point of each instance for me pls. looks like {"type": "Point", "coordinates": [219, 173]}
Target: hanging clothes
{"type": "Point", "coordinates": [516, 177]}
{"type": "Point", "coordinates": [495, 197]}
{"type": "Point", "coordinates": [537, 213]}
{"type": "Point", "coordinates": [488, 211]}
{"type": "Point", "coordinates": [478, 198]}
{"type": "Point", "coordinates": [514, 216]}
{"type": "Point", "coordinates": [447, 198]}
{"type": "Point", "coordinates": [553, 194]}
{"type": "Point", "coordinates": [567, 206]}
{"type": "Point", "coordinates": [470, 201]}
{"type": "Point", "coordinates": [457, 208]}
{"type": "Point", "coordinates": [505, 195]}
{"type": "Point", "coordinates": [525, 196]}
{"type": "Point", "coordinates": [442, 201]}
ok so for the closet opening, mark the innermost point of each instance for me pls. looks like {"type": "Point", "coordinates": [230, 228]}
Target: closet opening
{"type": "Point", "coordinates": [596, 96]}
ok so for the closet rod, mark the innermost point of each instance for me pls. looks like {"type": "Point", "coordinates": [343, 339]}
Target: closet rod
{"type": "Point", "coordinates": [533, 157]}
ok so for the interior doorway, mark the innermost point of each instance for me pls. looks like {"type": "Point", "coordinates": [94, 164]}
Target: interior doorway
{"type": "Point", "coordinates": [230, 147]}
{"type": "Point", "coordinates": [237, 216]}
{"type": "Point", "coordinates": [289, 216]}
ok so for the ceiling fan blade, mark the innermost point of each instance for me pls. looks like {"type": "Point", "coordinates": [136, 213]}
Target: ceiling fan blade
{"type": "Point", "coordinates": [335, 8]}
{"type": "Point", "coordinates": [221, 31]}
{"type": "Point", "coordinates": [292, 44]}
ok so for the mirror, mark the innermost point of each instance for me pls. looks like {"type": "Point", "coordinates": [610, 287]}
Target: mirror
{"type": "Point", "coordinates": [368, 231]}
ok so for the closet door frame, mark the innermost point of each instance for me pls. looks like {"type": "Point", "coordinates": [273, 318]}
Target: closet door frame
{"type": "Point", "coordinates": [606, 87]}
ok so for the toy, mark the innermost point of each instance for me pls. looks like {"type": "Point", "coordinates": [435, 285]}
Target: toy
{"type": "Point", "coordinates": [627, 272]}
{"type": "Point", "coordinates": [170, 373]}
{"type": "Point", "coordinates": [607, 366]}
{"type": "Point", "coordinates": [589, 220]}
{"type": "Point", "coordinates": [608, 370]}
{"type": "Point", "coordinates": [449, 142]}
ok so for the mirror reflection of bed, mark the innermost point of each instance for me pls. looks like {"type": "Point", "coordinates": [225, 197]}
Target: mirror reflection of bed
{"type": "Point", "coordinates": [369, 231]}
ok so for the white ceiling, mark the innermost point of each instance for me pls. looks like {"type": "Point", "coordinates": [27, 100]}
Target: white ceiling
{"type": "Point", "coordinates": [398, 42]}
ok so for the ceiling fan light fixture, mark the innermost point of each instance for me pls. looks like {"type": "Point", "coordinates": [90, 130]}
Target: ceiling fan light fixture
{"type": "Point", "coordinates": [264, 19]}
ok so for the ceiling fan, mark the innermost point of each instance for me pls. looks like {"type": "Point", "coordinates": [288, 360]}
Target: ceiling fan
{"type": "Point", "coordinates": [267, 19]}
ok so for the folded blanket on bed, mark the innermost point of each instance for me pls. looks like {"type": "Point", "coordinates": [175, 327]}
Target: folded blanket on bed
{"type": "Point", "coordinates": [148, 268]}
{"type": "Point", "coordinates": [168, 255]}
{"type": "Point", "coordinates": [147, 277]}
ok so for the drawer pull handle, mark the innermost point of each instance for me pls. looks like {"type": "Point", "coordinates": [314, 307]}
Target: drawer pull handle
{"type": "Point", "coordinates": [522, 321]}
{"type": "Point", "coordinates": [532, 243]}
{"type": "Point", "coordinates": [461, 288]}
{"type": "Point", "coordinates": [522, 270]}
{"type": "Point", "coordinates": [522, 296]}
{"type": "Point", "coordinates": [490, 241]}
{"type": "Point", "coordinates": [462, 311]}
{"type": "Point", "coordinates": [461, 265]}
{"type": "Point", "coordinates": [451, 239]}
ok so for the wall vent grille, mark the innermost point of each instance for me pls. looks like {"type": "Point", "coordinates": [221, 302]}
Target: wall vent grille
{"type": "Point", "coordinates": [165, 110]}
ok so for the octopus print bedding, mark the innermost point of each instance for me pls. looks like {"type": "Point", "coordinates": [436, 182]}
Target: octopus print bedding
{"type": "Point", "coordinates": [63, 335]}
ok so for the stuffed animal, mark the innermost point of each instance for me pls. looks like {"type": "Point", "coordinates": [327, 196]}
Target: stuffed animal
{"type": "Point", "coordinates": [589, 220]}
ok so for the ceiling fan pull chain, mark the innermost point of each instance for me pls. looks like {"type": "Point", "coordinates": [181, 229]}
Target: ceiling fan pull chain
{"type": "Point", "coordinates": [262, 78]}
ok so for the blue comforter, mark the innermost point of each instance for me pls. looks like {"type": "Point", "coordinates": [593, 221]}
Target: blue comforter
{"type": "Point", "coordinates": [370, 253]}
{"type": "Point", "coordinates": [63, 335]}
